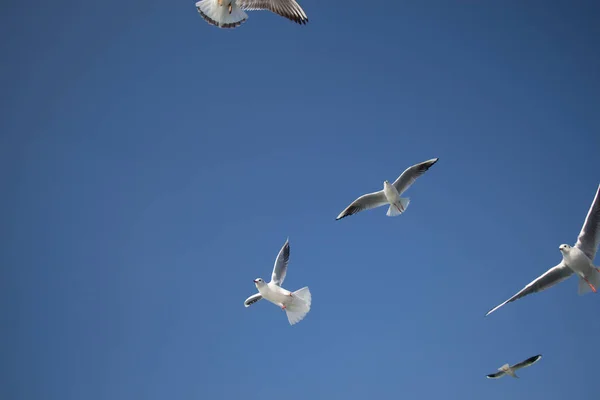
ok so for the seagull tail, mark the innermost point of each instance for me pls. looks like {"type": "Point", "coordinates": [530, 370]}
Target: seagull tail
{"type": "Point", "coordinates": [398, 208]}
{"type": "Point", "coordinates": [300, 305]}
{"type": "Point", "coordinates": [219, 15]}
{"type": "Point", "coordinates": [594, 280]}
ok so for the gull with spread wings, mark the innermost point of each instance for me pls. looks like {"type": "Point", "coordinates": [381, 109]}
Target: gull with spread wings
{"type": "Point", "coordinates": [231, 13]}
{"type": "Point", "coordinates": [295, 304]}
{"type": "Point", "coordinates": [576, 260]}
{"type": "Point", "coordinates": [510, 369]}
{"type": "Point", "coordinates": [390, 194]}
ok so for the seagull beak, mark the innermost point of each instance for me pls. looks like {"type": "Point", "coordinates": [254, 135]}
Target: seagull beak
{"type": "Point", "coordinates": [255, 281]}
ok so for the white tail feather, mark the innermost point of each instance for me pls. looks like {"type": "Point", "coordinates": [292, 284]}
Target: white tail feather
{"type": "Point", "coordinates": [398, 208]}
{"type": "Point", "coordinates": [300, 305]}
{"type": "Point", "coordinates": [584, 287]}
{"type": "Point", "coordinates": [219, 15]}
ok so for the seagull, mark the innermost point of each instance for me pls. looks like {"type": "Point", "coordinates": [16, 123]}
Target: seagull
{"type": "Point", "coordinates": [230, 13]}
{"type": "Point", "coordinates": [390, 194]}
{"type": "Point", "coordinates": [576, 260]}
{"type": "Point", "coordinates": [510, 370]}
{"type": "Point", "coordinates": [295, 304]}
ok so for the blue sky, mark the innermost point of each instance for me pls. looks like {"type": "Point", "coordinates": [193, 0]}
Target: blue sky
{"type": "Point", "coordinates": [153, 166]}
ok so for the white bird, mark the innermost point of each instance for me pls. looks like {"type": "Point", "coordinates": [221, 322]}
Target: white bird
{"type": "Point", "coordinates": [390, 194]}
{"type": "Point", "coordinates": [296, 304]}
{"type": "Point", "coordinates": [230, 13]}
{"type": "Point", "coordinates": [576, 260]}
{"type": "Point", "coordinates": [510, 370]}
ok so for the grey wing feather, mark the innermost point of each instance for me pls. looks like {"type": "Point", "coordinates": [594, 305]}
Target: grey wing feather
{"type": "Point", "coordinates": [550, 278]}
{"type": "Point", "coordinates": [286, 8]}
{"type": "Point", "coordinates": [410, 174]}
{"type": "Point", "coordinates": [281, 264]}
{"type": "Point", "coordinates": [530, 361]}
{"type": "Point", "coordinates": [589, 237]}
{"type": "Point", "coordinates": [252, 299]}
{"type": "Point", "coordinates": [496, 375]}
{"type": "Point", "coordinates": [364, 202]}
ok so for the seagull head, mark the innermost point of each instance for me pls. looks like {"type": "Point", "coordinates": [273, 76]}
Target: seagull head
{"type": "Point", "coordinates": [385, 183]}
{"type": "Point", "coordinates": [564, 248]}
{"type": "Point", "coordinates": [259, 282]}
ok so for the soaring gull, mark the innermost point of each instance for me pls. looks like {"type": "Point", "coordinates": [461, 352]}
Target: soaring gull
{"type": "Point", "coordinates": [231, 13]}
{"type": "Point", "coordinates": [390, 194]}
{"type": "Point", "coordinates": [576, 260]}
{"type": "Point", "coordinates": [295, 304]}
{"type": "Point", "coordinates": [510, 370]}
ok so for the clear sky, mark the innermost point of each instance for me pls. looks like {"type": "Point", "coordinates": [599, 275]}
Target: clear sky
{"type": "Point", "coordinates": [153, 165]}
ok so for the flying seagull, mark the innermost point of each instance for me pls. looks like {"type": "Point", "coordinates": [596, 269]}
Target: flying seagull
{"type": "Point", "coordinates": [230, 13]}
{"type": "Point", "coordinates": [295, 304]}
{"type": "Point", "coordinates": [390, 194]}
{"type": "Point", "coordinates": [510, 370]}
{"type": "Point", "coordinates": [577, 259]}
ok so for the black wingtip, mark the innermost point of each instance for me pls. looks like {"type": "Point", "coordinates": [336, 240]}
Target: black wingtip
{"type": "Point", "coordinates": [298, 20]}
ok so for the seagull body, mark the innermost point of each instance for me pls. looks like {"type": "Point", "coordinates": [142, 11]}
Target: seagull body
{"type": "Point", "coordinates": [580, 264]}
{"type": "Point", "coordinates": [273, 293]}
{"type": "Point", "coordinates": [392, 196]}
{"type": "Point", "coordinates": [510, 370]}
{"type": "Point", "coordinates": [576, 260]}
{"type": "Point", "coordinates": [295, 304]}
{"type": "Point", "coordinates": [231, 13]}
{"type": "Point", "coordinates": [391, 193]}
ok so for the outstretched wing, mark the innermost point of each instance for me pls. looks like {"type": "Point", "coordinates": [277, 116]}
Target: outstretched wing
{"type": "Point", "coordinates": [410, 174]}
{"type": "Point", "coordinates": [252, 299]}
{"type": "Point", "coordinates": [364, 202]}
{"type": "Point", "coordinates": [286, 8]}
{"type": "Point", "coordinates": [550, 278]}
{"type": "Point", "coordinates": [530, 361]}
{"type": "Point", "coordinates": [589, 237]}
{"type": "Point", "coordinates": [281, 264]}
{"type": "Point", "coordinates": [496, 375]}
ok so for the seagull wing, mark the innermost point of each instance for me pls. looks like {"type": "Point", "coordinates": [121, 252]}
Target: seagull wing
{"type": "Point", "coordinates": [589, 237]}
{"type": "Point", "coordinates": [364, 202]}
{"type": "Point", "coordinates": [281, 264]}
{"type": "Point", "coordinates": [252, 299]}
{"type": "Point", "coordinates": [530, 361]}
{"type": "Point", "coordinates": [286, 8]}
{"type": "Point", "coordinates": [550, 278]}
{"type": "Point", "coordinates": [410, 174]}
{"type": "Point", "coordinates": [496, 375]}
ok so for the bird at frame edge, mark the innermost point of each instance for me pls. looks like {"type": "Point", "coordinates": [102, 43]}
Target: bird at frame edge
{"type": "Point", "coordinates": [232, 13]}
